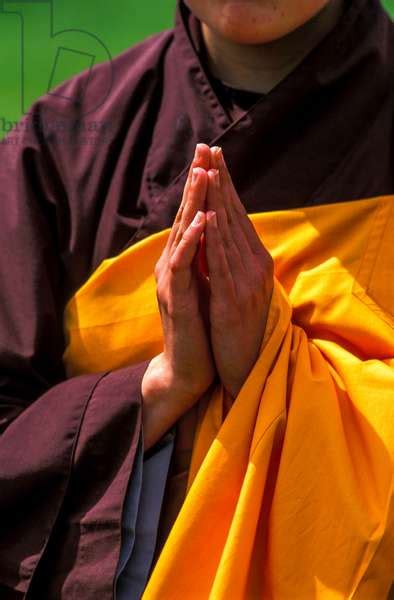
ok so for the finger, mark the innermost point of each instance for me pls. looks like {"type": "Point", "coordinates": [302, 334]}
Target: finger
{"type": "Point", "coordinates": [202, 157]}
{"type": "Point", "coordinates": [216, 153]}
{"type": "Point", "coordinates": [242, 229]}
{"type": "Point", "coordinates": [234, 205]}
{"type": "Point", "coordinates": [235, 245]}
{"type": "Point", "coordinates": [182, 259]}
{"type": "Point", "coordinates": [215, 202]}
{"type": "Point", "coordinates": [195, 201]}
{"type": "Point", "coordinates": [238, 250]}
{"type": "Point", "coordinates": [201, 160]}
{"type": "Point", "coordinates": [220, 278]}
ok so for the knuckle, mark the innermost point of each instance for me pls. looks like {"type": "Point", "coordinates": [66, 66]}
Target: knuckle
{"type": "Point", "coordinates": [256, 290]}
{"type": "Point", "coordinates": [171, 309]}
{"type": "Point", "coordinates": [178, 236]}
{"type": "Point", "coordinates": [257, 281]}
{"type": "Point", "coordinates": [160, 294]}
{"type": "Point", "coordinates": [174, 310]}
{"type": "Point", "coordinates": [250, 294]}
{"type": "Point", "coordinates": [267, 262]}
{"type": "Point", "coordinates": [186, 235]}
{"type": "Point", "coordinates": [221, 269]}
{"type": "Point", "coordinates": [177, 310]}
{"type": "Point", "coordinates": [179, 213]}
{"type": "Point", "coordinates": [227, 241]}
{"type": "Point", "coordinates": [173, 265]}
{"type": "Point", "coordinates": [225, 316]}
{"type": "Point", "coordinates": [157, 271]}
{"type": "Point", "coordinates": [163, 304]}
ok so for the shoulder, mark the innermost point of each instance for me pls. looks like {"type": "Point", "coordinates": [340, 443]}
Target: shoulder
{"type": "Point", "coordinates": [74, 126]}
{"type": "Point", "coordinates": [83, 116]}
{"type": "Point", "coordinates": [101, 88]}
{"type": "Point", "coordinates": [386, 43]}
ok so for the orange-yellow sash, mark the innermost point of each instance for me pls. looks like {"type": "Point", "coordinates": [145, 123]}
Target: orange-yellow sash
{"type": "Point", "coordinates": [291, 495]}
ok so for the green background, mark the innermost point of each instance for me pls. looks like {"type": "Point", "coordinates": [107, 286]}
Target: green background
{"type": "Point", "coordinates": [50, 59]}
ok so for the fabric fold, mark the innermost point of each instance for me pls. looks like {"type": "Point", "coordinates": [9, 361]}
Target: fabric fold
{"type": "Point", "coordinates": [293, 486]}
{"type": "Point", "coordinates": [74, 470]}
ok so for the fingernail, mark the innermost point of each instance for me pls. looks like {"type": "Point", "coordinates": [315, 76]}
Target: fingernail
{"type": "Point", "coordinates": [197, 219]}
{"type": "Point", "coordinates": [198, 151]}
{"type": "Point", "coordinates": [215, 173]}
{"type": "Point", "coordinates": [211, 216]}
{"type": "Point", "coordinates": [195, 174]}
{"type": "Point", "coordinates": [216, 150]}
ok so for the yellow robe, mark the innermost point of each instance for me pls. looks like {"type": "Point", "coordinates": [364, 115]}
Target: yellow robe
{"type": "Point", "coordinates": [291, 495]}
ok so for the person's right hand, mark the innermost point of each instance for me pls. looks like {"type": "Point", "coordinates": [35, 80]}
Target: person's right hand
{"type": "Point", "coordinates": [180, 375]}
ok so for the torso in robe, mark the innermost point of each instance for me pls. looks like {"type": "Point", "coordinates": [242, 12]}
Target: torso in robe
{"type": "Point", "coordinates": [323, 135]}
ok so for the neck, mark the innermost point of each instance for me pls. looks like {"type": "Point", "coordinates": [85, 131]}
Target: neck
{"type": "Point", "coordinates": [259, 68]}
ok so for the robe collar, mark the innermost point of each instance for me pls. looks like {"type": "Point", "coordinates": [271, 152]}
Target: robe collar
{"type": "Point", "coordinates": [354, 55]}
{"type": "Point", "coordinates": [352, 39]}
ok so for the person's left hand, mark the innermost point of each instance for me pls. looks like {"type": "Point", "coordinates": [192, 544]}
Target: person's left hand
{"type": "Point", "coordinates": [240, 279]}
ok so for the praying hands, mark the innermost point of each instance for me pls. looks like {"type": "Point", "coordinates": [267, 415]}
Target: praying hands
{"type": "Point", "coordinates": [240, 279]}
{"type": "Point", "coordinates": [214, 321]}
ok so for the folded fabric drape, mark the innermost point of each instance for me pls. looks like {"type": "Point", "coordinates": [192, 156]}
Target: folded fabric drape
{"type": "Point", "coordinates": [141, 514]}
{"type": "Point", "coordinates": [291, 492]}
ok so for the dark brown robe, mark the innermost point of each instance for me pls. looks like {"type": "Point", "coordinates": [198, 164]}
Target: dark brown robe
{"type": "Point", "coordinates": [71, 197]}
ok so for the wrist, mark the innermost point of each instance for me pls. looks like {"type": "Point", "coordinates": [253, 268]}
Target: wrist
{"type": "Point", "coordinates": [165, 399]}
{"type": "Point", "coordinates": [160, 380]}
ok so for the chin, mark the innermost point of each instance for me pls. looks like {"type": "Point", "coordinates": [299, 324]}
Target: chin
{"type": "Point", "coordinates": [251, 36]}
{"type": "Point", "coordinates": [259, 21]}
{"type": "Point", "coordinates": [244, 22]}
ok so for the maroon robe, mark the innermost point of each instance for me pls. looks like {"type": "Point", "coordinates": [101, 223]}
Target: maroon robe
{"type": "Point", "coordinates": [323, 135]}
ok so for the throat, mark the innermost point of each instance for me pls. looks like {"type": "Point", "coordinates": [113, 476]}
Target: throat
{"type": "Point", "coordinates": [261, 67]}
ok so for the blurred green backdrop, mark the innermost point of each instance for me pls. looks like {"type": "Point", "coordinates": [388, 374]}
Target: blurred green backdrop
{"type": "Point", "coordinates": [44, 42]}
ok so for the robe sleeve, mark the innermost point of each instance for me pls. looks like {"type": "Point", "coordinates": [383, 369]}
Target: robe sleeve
{"type": "Point", "coordinates": [66, 446]}
{"type": "Point", "coordinates": [141, 516]}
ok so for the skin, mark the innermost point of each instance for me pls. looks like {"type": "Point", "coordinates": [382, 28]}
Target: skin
{"type": "Point", "coordinates": [254, 44]}
{"type": "Point", "coordinates": [251, 44]}
{"type": "Point", "coordinates": [179, 376]}
{"type": "Point", "coordinates": [240, 279]}
{"type": "Point", "coordinates": [201, 346]}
